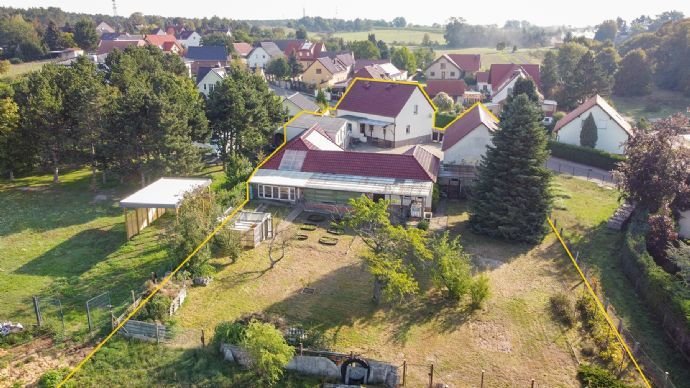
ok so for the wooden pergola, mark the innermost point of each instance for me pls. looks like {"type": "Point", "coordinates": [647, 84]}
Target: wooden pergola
{"type": "Point", "coordinates": [151, 202]}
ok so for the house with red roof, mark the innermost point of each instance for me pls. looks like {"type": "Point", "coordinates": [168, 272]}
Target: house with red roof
{"type": "Point", "coordinates": [498, 82]}
{"type": "Point", "coordinates": [105, 47]}
{"type": "Point", "coordinates": [387, 113]}
{"type": "Point", "coordinates": [613, 131]}
{"type": "Point", "coordinates": [453, 66]}
{"type": "Point", "coordinates": [242, 49]}
{"type": "Point", "coordinates": [455, 88]}
{"type": "Point", "coordinates": [318, 174]}
{"type": "Point", "coordinates": [165, 42]}
{"type": "Point", "coordinates": [466, 138]}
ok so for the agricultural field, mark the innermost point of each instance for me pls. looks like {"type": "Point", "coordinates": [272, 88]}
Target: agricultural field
{"type": "Point", "coordinates": [23, 68]}
{"type": "Point", "coordinates": [659, 104]}
{"type": "Point", "coordinates": [396, 36]}
{"type": "Point", "coordinates": [491, 55]}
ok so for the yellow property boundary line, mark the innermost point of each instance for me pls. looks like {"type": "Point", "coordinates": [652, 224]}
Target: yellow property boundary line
{"type": "Point", "coordinates": [601, 306]}
{"type": "Point", "coordinates": [246, 200]}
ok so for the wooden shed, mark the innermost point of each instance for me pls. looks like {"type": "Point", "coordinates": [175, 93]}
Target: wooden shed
{"type": "Point", "coordinates": [151, 202]}
{"type": "Point", "coordinates": [253, 227]}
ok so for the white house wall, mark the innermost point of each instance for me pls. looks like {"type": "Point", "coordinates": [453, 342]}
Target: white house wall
{"type": "Point", "coordinates": [470, 149]}
{"type": "Point", "coordinates": [421, 123]}
{"type": "Point", "coordinates": [208, 82]}
{"type": "Point", "coordinates": [194, 40]}
{"type": "Point", "coordinates": [436, 69]}
{"type": "Point", "coordinates": [503, 93]}
{"type": "Point", "coordinates": [611, 137]}
{"type": "Point", "coordinates": [684, 224]}
{"type": "Point", "coordinates": [258, 58]}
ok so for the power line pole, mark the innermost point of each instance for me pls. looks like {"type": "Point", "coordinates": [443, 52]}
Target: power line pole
{"type": "Point", "coordinates": [114, 8]}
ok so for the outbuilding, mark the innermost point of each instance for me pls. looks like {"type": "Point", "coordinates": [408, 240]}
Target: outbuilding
{"type": "Point", "coordinates": [151, 202]}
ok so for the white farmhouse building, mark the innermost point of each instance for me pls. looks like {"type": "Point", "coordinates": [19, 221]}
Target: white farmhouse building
{"type": "Point", "coordinates": [466, 138]}
{"type": "Point", "coordinates": [387, 113]}
{"type": "Point", "coordinates": [207, 78]}
{"type": "Point", "coordinates": [612, 130]}
{"type": "Point", "coordinates": [262, 54]}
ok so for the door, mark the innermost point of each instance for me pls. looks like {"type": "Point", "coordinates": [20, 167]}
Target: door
{"type": "Point", "coordinates": [443, 75]}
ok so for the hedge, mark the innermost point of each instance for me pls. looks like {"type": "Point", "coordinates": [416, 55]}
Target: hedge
{"type": "Point", "coordinates": [588, 156]}
{"type": "Point", "coordinates": [443, 119]}
{"type": "Point", "coordinates": [664, 293]}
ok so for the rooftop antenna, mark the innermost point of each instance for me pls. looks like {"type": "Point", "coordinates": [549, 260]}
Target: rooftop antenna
{"type": "Point", "coordinates": [114, 8]}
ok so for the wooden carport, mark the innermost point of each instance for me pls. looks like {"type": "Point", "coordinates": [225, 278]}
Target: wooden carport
{"type": "Point", "coordinates": [151, 202]}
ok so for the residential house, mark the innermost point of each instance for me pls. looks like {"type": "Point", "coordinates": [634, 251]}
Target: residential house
{"type": "Point", "coordinates": [465, 141]}
{"type": "Point", "coordinates": [103, 28]}
{"type": "Point", "coordinates": [308, 52]}
{"type": "Point", "coordinates": [380, 65]}
{"type": "Point", "coordinates": [298, 102]}
{"type": "Point", "coordinates": [453, 66]}
{"type": "Point", "coordinates": [263, 53]}
{"type": "Point", "coordinates": [159, 31]}
{"type": "Point", "coordinates": [225, 31]}
{"type": "Point", "coordinates": [189, 39]}
{"type": "Point", "coordinates": [165, 42]}
{"type": "Point", "coordinates": [315, 172]}
{"type": "Point", "coordinates": [498, 82]}
{"type": "Point", "coordinates": [612, 129]}
{"type": "Point", "coordinates": [387, 113]}
{"type": "Point", "coordinates": [206, 56]}
{"type": "Point", "coordinates": [372, 71]}
{"type": "Point", "coordinates": [455, 88]}
{"type": "Point", "coordinates": [325, 72]}
{"type": "Point", "coordinates": [335, 128]}
{"type": "Point", "coordinates": [105, 47]}
{"type": "Point", "coordinates": [208, 77]}
{"type": "Point", "coordinates": [242, 49]}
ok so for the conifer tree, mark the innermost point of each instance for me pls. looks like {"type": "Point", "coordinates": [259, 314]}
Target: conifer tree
{"type": "Point", "coordinates": [511, 199]}
{"type": "Point", "coordinates": [588, 133]}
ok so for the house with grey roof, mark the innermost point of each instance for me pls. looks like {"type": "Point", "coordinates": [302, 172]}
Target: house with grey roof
{"type": "Point", "coordinates": [333, 127]}
{"type": "Point", "coordinates": [263, 53]}
{"type": "Point", "coordinates": [298, 102]}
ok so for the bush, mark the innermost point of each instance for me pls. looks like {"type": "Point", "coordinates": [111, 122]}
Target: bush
{"type": "Point", "coordinates": [52, 378]}
{"type": "Point", "coordinates": [229, 333]}
{"type": "Point", "coordinates": [443, 119]}
{"type": "Point", "coordinates": [479, 291]}
{"type": "Point", "coordinates": [157, 309]}
{"type": "Point", "coordinates": [423, 225]}
{"type": "Point", "coordinates": [4, 66]}
{"type": "Point", "coordinates": [269, 351]}
{"type": "Point", "coordinates": [610, 350]}
{"type": "Point", "coordinates": [593, 376]}
{"type": "Point", "coordinates": [227, 244]}
{"type": "Point", "coordinates": [15, 61]}
{"type": "Point", "coordinates": [562, 309]}
{"type": "Point", "coordinates": [587, 156]}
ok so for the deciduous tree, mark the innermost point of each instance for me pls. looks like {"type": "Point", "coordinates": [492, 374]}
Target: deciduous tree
{"type": "Point", "coordinates": [635, 75]}
{"type": "Point", "coordinates": [85, 34]}
{"type": "Point", "coordinates": [404, 59]}
{"type": "Point", "coordinates": [443, 102]}
{"type": "Point", "coordinates": [269, 351]}
{"type": "Point", "coordinates": [606, 31]}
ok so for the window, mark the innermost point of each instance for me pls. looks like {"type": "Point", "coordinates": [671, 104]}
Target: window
{"type": "Point", "coordinates": [443, 66]}
{"type": "Point", "coordinates": [361, 128]}
{"type": "Point", "coordinates": [432, 74]}
{"type": "Point", "coordinates": [349, 127]}
{"type": "Point", "coordinates": [318, 71]}
{"type": "Point", "coordinates": [452, 74]}
{"type": "Point", "coordinates": [204, 86]}
{"type": "Point", "coordinates": [485, 88]}
{"type": "Point", "coordinates": [276, 192]}
{"type": "Point", "coordinates": [263, 56]}
{"type": "Point", "coordinates": [210, 87]}
{"type": "Point", "coordinates": [371, 128]}
{"type": "Point", "coordinates": [407, 130]}
{"type": "Point", "coordinates": [416, 109]}
{"type": "Point", "coordinates": [510, 91]}
{"type": "Point", "coordinates": [434, 136]}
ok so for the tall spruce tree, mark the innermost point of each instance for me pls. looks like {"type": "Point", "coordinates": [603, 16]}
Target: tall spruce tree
{"type": "Point", "coordinates": [588, 133]}
{"type": "Point", "coordinates": [511, 199]}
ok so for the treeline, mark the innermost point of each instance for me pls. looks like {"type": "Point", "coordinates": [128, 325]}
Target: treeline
{"type": "Point", "coordinates": [140, 118]}
{"type": "Point", "coordinates": [460, 34]}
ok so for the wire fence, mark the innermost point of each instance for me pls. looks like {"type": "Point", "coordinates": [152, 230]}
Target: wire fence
{"type": "Point", "coordinates": [652, 371]}
{"type": "Point", "coordinates": [582, 171]}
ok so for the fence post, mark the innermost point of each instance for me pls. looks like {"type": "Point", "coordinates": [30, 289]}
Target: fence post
{"type": "Point", "coordinates": [404, 372]}
{"type": "Point", "coordinates": [134, 298]}
{"type": "Point", "coordinates": [158, 338]}
{"type": "Point", "coordinates": [481, 384]}
{"type": "Point", "coordinates": [589, 171]}
{"type": "Point", "coordinates": [665, 379]}
{"type": "Point", "coordinates": [37, 310]}
{"type": "Point", "coordinates": [88, 316]}
{"type": "Point", "coordinates": [431, 376]}
{"type": "Point", "coordinates": [532, 386]}
{"type": "Point", "coordinates": [203, 338]}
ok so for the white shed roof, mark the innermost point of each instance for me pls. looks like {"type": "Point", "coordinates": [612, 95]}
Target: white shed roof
{"type": "Point", "coordinates": [164, 193]}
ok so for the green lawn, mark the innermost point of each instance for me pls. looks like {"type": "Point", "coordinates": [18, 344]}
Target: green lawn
{"type": "Point", "coordinates": [23, 68]}
{"type": "Point", "coordinates": [397, 36]}
{"type": "Point", "coordinates": [659, 104]}
{"type": "Point", "coordinates": [491, 55]}
{"type": "Point", "coordinates": [585, 221]}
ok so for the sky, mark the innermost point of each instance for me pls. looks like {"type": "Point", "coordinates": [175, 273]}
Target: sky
{"type": "Point", "coordinates": [540, 12]}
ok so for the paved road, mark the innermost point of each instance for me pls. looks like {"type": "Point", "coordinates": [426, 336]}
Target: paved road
{"type": "Point", "coordinates": [578, 170]}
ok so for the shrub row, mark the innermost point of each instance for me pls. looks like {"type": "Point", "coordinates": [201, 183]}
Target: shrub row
{"type": "Point", "coordinates": [443, 119]}
{"type": "Point", "coordinates": [664, 293]}
{"type": "Point", "coordinates": [584, 155]}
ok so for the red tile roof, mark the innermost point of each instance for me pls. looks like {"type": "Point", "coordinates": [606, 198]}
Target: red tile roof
{"type": "Point", "coordinates": [483, 76]}
{"type": "Point", "coordinates": [383, 98]}
{"type": "Point", "coordinates": [589, 104]}
{"type": "Point", "coordinates": [454, 87]}
{"type": "Point", "coordinates": [466, 123]}
{"type": "Point", "coordinates": [159, 40]}
{"type": "Point", "coordinates": [371, 71]}
{"type": "Point", "coordinates": [499, 73]}
{"type": "Point", "coordinates": [416, 163]}
{"type": "Point", "coordinates": [242, 48]}
{"type": "Point", "coordinates": [467, 62]}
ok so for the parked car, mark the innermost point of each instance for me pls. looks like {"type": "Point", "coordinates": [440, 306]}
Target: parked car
{"type": "Point", "coordinates": [547, 121]}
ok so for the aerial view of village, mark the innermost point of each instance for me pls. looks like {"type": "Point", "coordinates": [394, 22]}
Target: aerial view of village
{"type": "Point", "coordinates": [347, 195]}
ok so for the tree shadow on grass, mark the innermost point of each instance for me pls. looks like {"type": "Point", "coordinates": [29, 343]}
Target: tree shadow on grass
{"type": "Point", "coordinates": [45, 208]}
